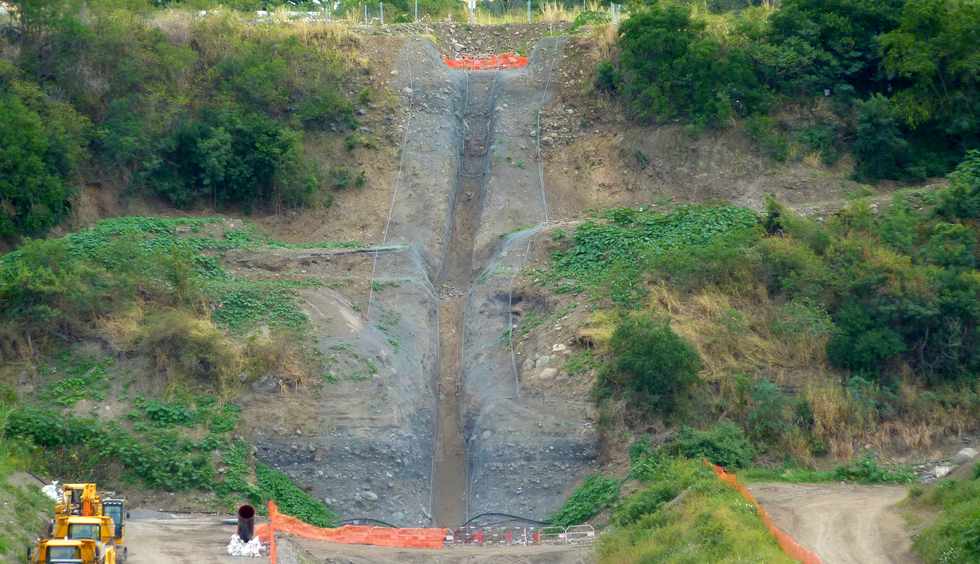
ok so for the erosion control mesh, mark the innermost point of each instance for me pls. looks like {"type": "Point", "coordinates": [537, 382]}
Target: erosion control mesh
{"type": "Point", "coordinates": [424, 411]}
{"type": "Point", "coordinates": [523, 449]}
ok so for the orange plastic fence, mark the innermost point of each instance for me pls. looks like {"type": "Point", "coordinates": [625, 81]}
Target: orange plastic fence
{"type": "Point", "coordinates": [789, 545]}
{"type": "Point", "coordinates": [493, 62]}
{"type": "Point", "coordinates": [348, 534]}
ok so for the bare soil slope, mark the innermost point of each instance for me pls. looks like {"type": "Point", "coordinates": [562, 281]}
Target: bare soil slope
{"type": "Point", "coordinates": [843, 524]}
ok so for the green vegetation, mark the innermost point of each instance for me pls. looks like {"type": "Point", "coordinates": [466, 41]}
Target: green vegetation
{"type": "Point", "coordinates": [194, 110]}
{"type": "Point", "coordinates": [953, 537]}
{"type": "Point", "coordinates": [671, 67]}
{"type": "Point", "coordinates": [895, 81]}
{"type": "Point", "coordinates": [43, 141]}
{"type": "Point", "coordinates": [596, 493]}
{"type": "Point", "coordinates": [653, 363]}
{"type": "Point", "coordinates": [150, 289]}
{"type": "Point", "coordinates": [610, 253]}
{"type": "Point", "coordinates": [25, 509]}
{"type": "Point", "coordinates": [869, 318]}
{"type": "Point", "coordinates": [291, 499]}
{"type": "Point", "coordinates": [684, 513]}
{"type": "Point", "coordinates": [724, 444]}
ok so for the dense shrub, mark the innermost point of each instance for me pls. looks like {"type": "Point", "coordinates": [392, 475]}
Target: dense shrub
{"type": "Point", "coordinates": [962, 200]}
{"type": "Point", "coordinates": [41, 143]}
{"type": "Point", "coordinates": [207, 110]}
{"type": "Point", "coordinates": [901, 75]}
{"type": "Point", "coordinates": [724, 444]}
{"type": "Point", "coordinates": [594, 494]}
{"type": "Point", "coordinates": [233, 158]}
{"type": "Point", "coordinates": [828, 45]}
{"type": "Point", "coordinates": [672, 68]}
{"type": "Point", "coordinates": [653, 362]}
{"type": "Point", "coordinates": [879, 143]}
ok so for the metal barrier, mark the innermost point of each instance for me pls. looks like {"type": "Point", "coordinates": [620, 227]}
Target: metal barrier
{"type": "Point", "coordinates": [520, 536]}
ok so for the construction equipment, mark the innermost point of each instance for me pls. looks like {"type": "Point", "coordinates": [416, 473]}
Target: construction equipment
{"type": "Point", "coordinates": [83, 513]}
{"type": "Point", "coordinates": [116, 509]}
{"type": "Point", "coordinates": [79, 499]}
{"type": "Point", "coordinates": [71, 551]}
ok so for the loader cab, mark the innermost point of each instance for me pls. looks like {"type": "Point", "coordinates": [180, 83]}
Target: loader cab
{"type": "Point", "coordinates": [84, 531]}
{"type": "Point", "coordinates": [63, 555]}
{"type": "Point", "coordinates": [99, 529]}
{"type": "Point", "coordinates": [67, 551]}
{"type": "Point", "coordinates": [116, 509]}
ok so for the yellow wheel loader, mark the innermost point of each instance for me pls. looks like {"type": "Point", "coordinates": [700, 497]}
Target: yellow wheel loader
{"type": "Point", "coordinates": [71, 551]}
{"type": "Point", "coordinates": [83, 500]}
{"type": "Point", "coordinates": [102, 529]}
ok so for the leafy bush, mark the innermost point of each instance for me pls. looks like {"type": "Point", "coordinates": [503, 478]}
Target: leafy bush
{"type": "Point", "coordinates": [607, 78]}
{"type": "Point", "coordinates": [867, 471]}
{"type": "Point", "coordinates": [962, 200]}
{"type": "Point", "coordinates": [291, 500]}
{"type": "Point", "coordinates": [43, 142]}
{"type": "Point", "coordinates": [653, 362]}
{"type": "Point", "coordinates": [209, 109]}
{"type": "Point", "coordinates": [724, 444]}
{"type": "Point", "coordinates": [594, 494]}
{"type": "Point", "coordinates": [762, 129]}
{"type": "Point", "coordinates": [863, 343]}
{"type": "Point", "coordinates": [768, 418]}
{"type": "Point", "coordinates": [826, 45]}
{"type": "Point", "coordinates": [233, 158]}
{"type": "Point", "coordinates": [880, 144]}
{"type": "Point", "coordinates": [671, 67]}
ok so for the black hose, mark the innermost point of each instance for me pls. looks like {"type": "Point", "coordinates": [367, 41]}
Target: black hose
{"type": "Point", "coordinates": [365, 520]}
{"type": "Point", "coordinates": [512, 517]}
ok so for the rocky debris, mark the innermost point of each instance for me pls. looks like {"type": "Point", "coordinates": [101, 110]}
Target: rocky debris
{"type": "Point", "coordinates": [250, 549]}
{"type": "Point", "coordinates": [548, 374]}
{"type": "Point", "coordinates": [459, 40]}
{"type": "Point", "coordinates": [941, 471]}
{"type": "Point", "coordinates": [965, 455]}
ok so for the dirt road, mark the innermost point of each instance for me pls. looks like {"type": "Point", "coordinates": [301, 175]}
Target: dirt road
{"type": "Point", "coordinates": [842, 524]}
{"type": "Point", "coordinates": [163, 540]}
{"type": "Point", "coordinates": [314, 552]}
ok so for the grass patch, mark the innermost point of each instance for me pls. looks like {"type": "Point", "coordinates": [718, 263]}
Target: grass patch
{"type": "Point", "coordinates": [955, 535]}
{"type": "Point", "coordinates": [596, 493]}
{"type": "Point", "coordinates": [685, 514]}
{"type": "Point", "coordinates": [608, 253]}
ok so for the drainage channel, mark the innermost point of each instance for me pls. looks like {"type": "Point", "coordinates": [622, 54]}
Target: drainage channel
{"type": "Point", "coordinates": [449, 472]}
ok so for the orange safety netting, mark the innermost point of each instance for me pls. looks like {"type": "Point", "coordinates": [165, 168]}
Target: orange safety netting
{"type": "Point", "coordinates": [789, 545]}
{"type": "Point", "coordinates": [347, 534]}
{"type": "Point", "coordinates": [493, 62]}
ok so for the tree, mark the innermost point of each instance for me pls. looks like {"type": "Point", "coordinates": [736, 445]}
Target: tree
{"type": "Point", "coordinates": [879, 145]}
{"type": "Point", "coordinates": [672, 68]}
{"type": "Point", "coordinates": [40, 143]}
{"type": "Point", "coordinates": [827, 44]}
{"type": "Point", "coordinates": [654, 362]}
{"type": "Point", "coordinates": [933, 53]}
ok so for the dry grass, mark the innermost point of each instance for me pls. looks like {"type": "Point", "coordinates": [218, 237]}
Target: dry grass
{"type": "Point", "coordinates": [280, 356]}
{"type": "Point", "coordinates": [176, 25]}
{"type": "Point", "coordinates": [733, 335]}
{"type": "Point", "coordinates": [604, 39]}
